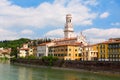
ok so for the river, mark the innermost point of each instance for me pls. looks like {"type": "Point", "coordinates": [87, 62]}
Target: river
{"type": "Point", "coordinates": [15, 72]}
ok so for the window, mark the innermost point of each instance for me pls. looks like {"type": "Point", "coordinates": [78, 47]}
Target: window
{"type": "Point", "coordinates": [58, 54]}
{"type": "Point", "coordinates": [75, 54]}
{"type": "Point", "coordinates": [61, 49]}
{"type": "Point", "coordinates": [48, 54]}
{"type": "Point", "coordinates": [75, 49]}
{"type": "Point", "coordinates": [69, 54]}
{"type": "Point", "coordinates": [55, 54]}
{"type": "Point", "coordinates": [62, 54]}
{"type": "Point", "coordinates": [69, 49]}
{"type": "Point", "coordinates": [65, 54]}
{"type": "Point", "coordinates": [79, 55]}
{"type": "Point", "coordinates": [65, 49]}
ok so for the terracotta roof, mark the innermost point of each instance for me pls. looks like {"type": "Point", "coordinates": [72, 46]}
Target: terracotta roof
{"type": "Point", "coordinates": [24, 48]}
{"type": "Point", "coordinates": [75, 44]}
{"type": "Point", "coordinates": [114, 42]}
{"type": "Point", "coordinates": [118, 39]}
{"type": "Point", "coordinates": [68, 30]}
{"type": "Point", "coordinates": [4, 51]}
{"type": "Point", "coordinates": [43, 44]}
{"type": "Point", "coordinates": [65, 39]}
{"type": "Point", "coordinates": [108, 42]}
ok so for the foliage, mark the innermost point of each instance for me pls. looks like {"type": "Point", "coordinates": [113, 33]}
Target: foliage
{"type": "Point", "coordinates": [30, 57]}
{"type": "Point", "coordinates": [49, 59]}
{"type": "Point", "coordinates": [13, 43]}
{"type": "Point", "coordinates": [4, 58]}
{"type": "Point", "coordinates": [13, 59]}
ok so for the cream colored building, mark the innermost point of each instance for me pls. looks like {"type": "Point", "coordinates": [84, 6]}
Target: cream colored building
{"type": "Point", "coordinates": [25, 51]}
{"type": "Point", "coordinates": [89, 53]}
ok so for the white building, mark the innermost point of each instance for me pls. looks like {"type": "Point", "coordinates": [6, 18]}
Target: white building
{"type": "Point", "coordinates": [42, 49]}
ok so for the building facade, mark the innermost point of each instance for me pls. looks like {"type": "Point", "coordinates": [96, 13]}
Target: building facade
{"type": "Point", "coordinates": [89, 53]}
{"type": "Point", "coordinates": [103, 51]}
{"type": "Point", "coordinates": [5, 52]}
{"type": "Point", "coordinates": [67, 48]}
{"type": "Point", "coordinates": [25, 51]}
{"type": "Point", "coordinates": [114, 49]}
{"type": "Point", "coordinates": [109, 50]}
{"type": "Point", "coordinates": [42, 49]}
{"type": "Point", "coordinates": [65, 51]}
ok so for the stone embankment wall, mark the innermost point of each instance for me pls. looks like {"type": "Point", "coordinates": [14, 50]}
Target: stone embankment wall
{"type": "Point", "coordinates": [113, 66]}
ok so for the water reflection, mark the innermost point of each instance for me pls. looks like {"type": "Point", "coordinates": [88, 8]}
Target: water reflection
{"type": "Point", "coordinates": [4, 61]}
{"type": "Point", "coordinates": [14, 72]}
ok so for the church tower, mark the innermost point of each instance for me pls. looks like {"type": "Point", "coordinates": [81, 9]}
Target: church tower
{"type": "Point", "coordinates": [68, 31]}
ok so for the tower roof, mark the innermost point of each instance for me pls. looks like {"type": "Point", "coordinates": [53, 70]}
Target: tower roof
{"type": "Point", "coordinates": [68, 15]}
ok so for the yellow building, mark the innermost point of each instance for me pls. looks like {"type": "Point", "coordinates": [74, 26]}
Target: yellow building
{"type": "Point", "coordinates": [109, 50]}
{"type": "Point", "coordinates": [102, 51]}
{"type": "Point", "coordinates": [66, 51]}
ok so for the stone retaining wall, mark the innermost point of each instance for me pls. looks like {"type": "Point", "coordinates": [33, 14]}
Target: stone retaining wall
{"type": "Point", "coordinates": [87, 65]}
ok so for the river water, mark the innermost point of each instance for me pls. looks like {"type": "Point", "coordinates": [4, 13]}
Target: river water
{"type": "Point", "coordinates": [15, 72]}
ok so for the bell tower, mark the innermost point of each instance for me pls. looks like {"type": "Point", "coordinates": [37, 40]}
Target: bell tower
{"type": "Point", "coordinates": [68, 30]}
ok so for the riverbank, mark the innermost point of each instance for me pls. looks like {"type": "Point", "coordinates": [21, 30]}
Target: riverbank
{"type": "Point", "coordinates": [71, 69]}
{"type": "Point", "coordinates": [95, 67]}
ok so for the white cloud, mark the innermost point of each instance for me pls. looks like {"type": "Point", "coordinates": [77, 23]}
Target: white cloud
{"type": "Point", "coordinates": [93, 35]}
{"type": "Point", "coordinates": [104, 15]}
{"type": "Point", "coordinates": [98, 35]}
{"type": "Point", "coordinates": [7, 35]}
{"type": "Point", "coordinates": [46, 14]}
{"type": "Point", "coordinates": [57, 33]}
{"type": "Point", "coordinates": [115, 24]}
{"type": "Point", "coordinates": [27, 32]}
{"type": "Point", "coordinates": [12, 35]}
{"type": "Point", "coordinates": [90, 2]}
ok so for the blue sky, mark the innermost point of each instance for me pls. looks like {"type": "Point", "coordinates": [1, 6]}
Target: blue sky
{"type": "Point", "coordinates": [99, 20]}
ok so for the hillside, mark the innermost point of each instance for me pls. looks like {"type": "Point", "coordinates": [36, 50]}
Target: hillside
{"type": "Point", "coordinates": [13, 43]}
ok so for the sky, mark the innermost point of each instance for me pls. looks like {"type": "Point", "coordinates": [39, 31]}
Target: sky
{"type": "Point", "coordinates": [98, 20]}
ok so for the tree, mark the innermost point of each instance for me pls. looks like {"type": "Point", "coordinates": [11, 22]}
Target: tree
{"type": "Point", "coordinates": [14, 52]}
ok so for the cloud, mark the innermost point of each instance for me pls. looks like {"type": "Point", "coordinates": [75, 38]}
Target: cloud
{"type": "Point", "coordinates": [27, 32]}
{"type": "Point", "coordinates": [90, 2]}
{"type": "Point", "coordinates": [104, 15]}
{"type": "Point", "coordinates": [95, 35]}
{"type": "Point", "coordinates": [8, 35]}
{"type": "Point", "coordinates": [57, 33]}
{"type": "Point", "coordinates": [46, 14]}
{"type": "Point", "coordinates": [115, 24]}
{"type": "Point", "coordinates": [12, 35]}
